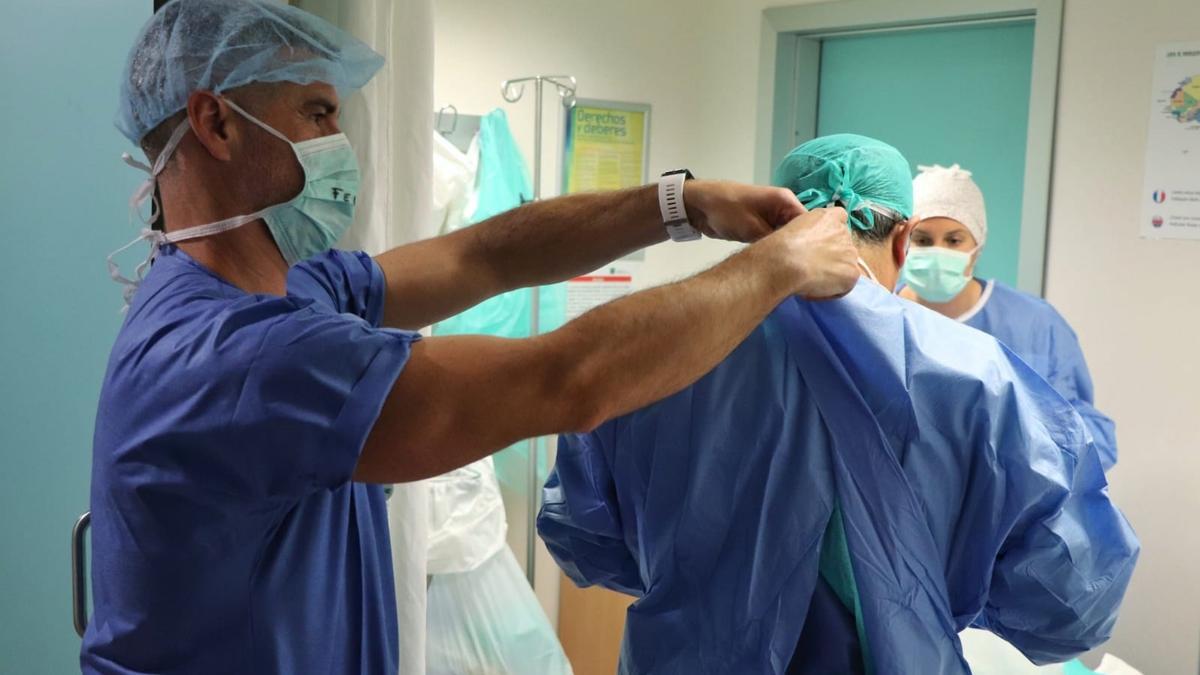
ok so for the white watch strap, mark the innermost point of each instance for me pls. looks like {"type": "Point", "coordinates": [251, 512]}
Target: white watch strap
{"type": "Point", "coordinates": [674, 214]}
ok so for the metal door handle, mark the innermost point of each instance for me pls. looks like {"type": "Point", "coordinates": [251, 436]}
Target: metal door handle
{"type": "Point", "coordinates": [79, 595]}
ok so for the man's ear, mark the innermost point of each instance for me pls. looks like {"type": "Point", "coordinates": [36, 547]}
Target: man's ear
{"type": "Point", "coordinates": [209, 117]}
{"type": "Point", "coordinates": [900, 235]}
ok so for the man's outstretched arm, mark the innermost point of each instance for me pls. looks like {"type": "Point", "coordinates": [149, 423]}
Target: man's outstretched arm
{"type": "Point", "coordinates": [557, 239]}
{"type": "Point", "coordinates": [461, 398]}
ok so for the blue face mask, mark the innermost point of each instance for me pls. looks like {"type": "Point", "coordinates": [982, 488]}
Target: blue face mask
{"type": "Point", "coordinates": [302, 227]}
{"type": "Point", "coordinates": [936, 274]}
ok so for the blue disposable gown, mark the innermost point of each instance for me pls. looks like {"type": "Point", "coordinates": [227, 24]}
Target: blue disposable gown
{"type": "Point", "coordinates": [967, 486]}
{"type": "Point", "coordinates": [1038, 334]}
{"type": "Point", "coordinates": [227, 536]}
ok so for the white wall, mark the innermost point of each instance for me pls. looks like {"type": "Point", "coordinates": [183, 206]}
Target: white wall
{"type": "Point", "coordinates": [1134, 304]}
{"type": "Point", "coordinates": [696, 62]}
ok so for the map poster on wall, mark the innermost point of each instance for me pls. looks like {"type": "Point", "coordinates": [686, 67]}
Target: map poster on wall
{"type": "Point", "coordinates": [606, 146]}
{"type": "Point", "coordinates": [1171, 194]}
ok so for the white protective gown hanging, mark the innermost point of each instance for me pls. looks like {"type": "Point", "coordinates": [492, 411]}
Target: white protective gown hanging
{"type": "Point", "coordinates": [483, 618]}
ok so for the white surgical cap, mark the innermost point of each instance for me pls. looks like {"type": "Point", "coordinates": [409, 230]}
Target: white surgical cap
{"type": "Point", "coordinates": [939, 192]}
{"type": "Point", "coordinates": [216, 45]}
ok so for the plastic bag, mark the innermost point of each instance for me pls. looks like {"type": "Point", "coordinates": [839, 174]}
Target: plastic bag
{"type": "Point", "coordinates": [467, 524]}
{"type": "Point", "coordinates": [488, 622]}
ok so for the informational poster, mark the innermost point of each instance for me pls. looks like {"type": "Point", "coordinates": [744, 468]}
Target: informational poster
{"type": "Point", "coordinates": [606, 146]}
{"type": "Point", "coordinates": [600, 287]}
{"type": "Point", "coordinates": [1171, 194]}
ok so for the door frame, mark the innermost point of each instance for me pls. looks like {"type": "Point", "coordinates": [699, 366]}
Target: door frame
{"type": "Point", "coordinates": [789, 71]}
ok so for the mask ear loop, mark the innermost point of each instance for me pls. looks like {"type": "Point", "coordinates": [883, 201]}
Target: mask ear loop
{"type": "Point", "coordinates": [867, 268]}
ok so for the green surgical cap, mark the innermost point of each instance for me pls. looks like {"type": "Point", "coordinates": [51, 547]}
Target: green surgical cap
{"type": "Point", "coordinates": [855, 171]}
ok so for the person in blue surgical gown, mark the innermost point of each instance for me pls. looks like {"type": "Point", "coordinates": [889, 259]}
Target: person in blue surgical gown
{"type": "Point", "coordinates": [949, 232]}
{"type": "Point", "coordinates": [854, 485]}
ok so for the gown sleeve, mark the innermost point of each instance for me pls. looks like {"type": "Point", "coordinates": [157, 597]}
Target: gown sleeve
{"type": "Point", "coordinates": [1068, 373]}
{"type": "Point", "coordinates": [1066, 559]}
{"type": "Point", "coordinates": [308, 372]}
{"type": "Point", "coordinates": [580, 520]}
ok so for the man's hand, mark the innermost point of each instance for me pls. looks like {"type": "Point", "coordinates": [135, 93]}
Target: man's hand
{"type": "Point", "coordinates": [818, 258]}
{"type": "Point", "coordinates": [727, 210]}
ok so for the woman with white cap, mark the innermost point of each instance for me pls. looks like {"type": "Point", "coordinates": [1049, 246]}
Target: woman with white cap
{"type": "Point", "coordinates": [950, 230]}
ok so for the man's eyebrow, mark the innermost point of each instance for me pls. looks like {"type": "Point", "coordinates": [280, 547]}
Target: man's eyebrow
{"type": "Point", "coordinates": [329, 106]}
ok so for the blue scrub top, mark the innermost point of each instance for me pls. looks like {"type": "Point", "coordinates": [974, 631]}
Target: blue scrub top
{"type": "Point", "coordinates": [969, 491]}
{"type": "Point", "coordinates": [227, 535]}
{"type": "Point", "coordinates": [1037, 333]}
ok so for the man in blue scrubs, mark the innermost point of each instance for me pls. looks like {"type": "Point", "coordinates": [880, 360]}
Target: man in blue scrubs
{"type": "Point", "coordinates": [263, 386]}
{"type": "Point", "coordinates": [855, 484]}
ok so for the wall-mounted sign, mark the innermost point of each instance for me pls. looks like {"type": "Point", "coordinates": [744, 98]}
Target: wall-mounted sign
{"type": "Point", "coordinates": [606, 147]}
{"type": "Point", "coordinates": [1171, 192]}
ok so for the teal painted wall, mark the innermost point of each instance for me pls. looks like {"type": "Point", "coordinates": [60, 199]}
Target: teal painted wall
{"type": "Point", "coordinates": [945, 96]}
{"type": "Point", "coordinates": [64, 191]}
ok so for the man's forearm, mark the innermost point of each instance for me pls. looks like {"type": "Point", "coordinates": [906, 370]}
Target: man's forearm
{"type": "Point", "coordinates": [557, 239]}
{"type": "Point", "coordinates": [642, 348]}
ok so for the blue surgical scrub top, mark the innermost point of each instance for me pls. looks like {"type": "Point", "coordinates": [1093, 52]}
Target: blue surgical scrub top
{"type": "Point", "coordinates": [1038, 334]}
{"type": "Point", "coordinates": [968, 489]}
{"type": "Point", "coordinates": [227, 535]}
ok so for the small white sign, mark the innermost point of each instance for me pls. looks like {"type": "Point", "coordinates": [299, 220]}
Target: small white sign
{"type": "Point", "coordinates": [1171, 193]}
{"type": "Point", "coordinates": [600, 287]}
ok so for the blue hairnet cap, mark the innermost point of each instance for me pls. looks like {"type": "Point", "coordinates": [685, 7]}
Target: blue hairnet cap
{"type": "Point", "coordinates": [216, 45]}
{"type": "Point", "coordinates": [855, 171]}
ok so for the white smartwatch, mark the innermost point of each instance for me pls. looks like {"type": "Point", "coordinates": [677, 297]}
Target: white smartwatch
{"type": "Point", "coordinates": [670, 201]}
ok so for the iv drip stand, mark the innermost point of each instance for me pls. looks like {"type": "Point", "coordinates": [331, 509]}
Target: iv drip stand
{"type": "Point", "coordinates": [512, 91]}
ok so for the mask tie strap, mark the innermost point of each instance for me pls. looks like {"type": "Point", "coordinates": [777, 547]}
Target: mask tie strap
{"type": "Point", "coordinates": [158, 239]}
{"type": "Point", "coordinates": [136, 163]}
{"type": "Point", "coordinates": [257, 121]}
{"type": "Point", "coordinates": [144, 192]}
{"type": "Point", "coordinates": [114, 271]}
{"type": "Point", "coordinates": [214, 228]}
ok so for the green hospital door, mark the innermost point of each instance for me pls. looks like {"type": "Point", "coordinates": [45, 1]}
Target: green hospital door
{"type": "Point", "coordinates": [942, 96]}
